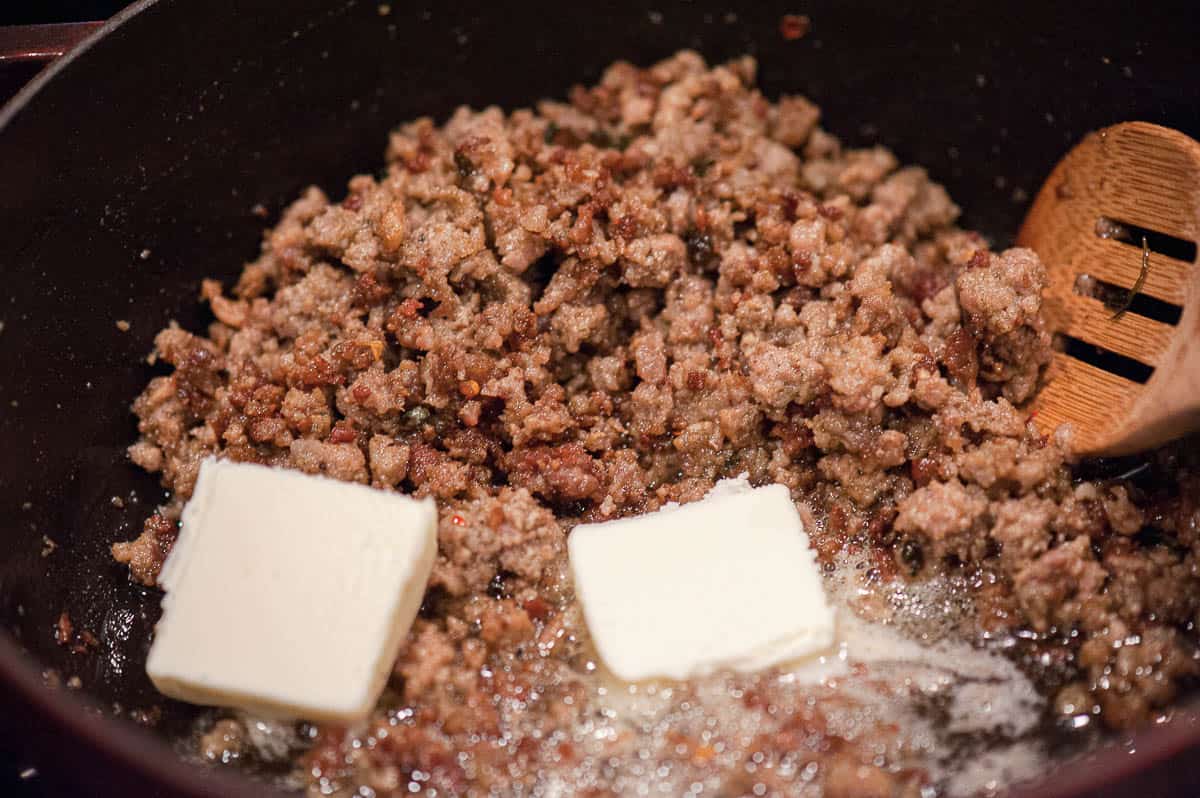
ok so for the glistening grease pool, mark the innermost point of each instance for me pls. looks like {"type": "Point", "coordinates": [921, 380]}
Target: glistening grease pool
{"type": "Point", "coordinates": [587, 310]}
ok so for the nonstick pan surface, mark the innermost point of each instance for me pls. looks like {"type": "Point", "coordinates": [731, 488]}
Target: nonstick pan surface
{"type": "Point", "coordinates": [130, 169]}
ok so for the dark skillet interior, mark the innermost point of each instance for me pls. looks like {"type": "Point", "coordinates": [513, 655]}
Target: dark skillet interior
{"type": "Point", "coordinates": [132, 173]}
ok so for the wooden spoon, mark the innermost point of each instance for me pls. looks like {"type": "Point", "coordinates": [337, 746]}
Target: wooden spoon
{"type": "Point", "coordinates": [1136, 175]}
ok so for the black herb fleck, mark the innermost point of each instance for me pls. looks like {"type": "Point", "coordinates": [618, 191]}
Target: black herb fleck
{"type": "Point", "coordinates": [463, 164]}
{"type": "Point", "coordinates": [912, 556]}
{"type": "Point", "coordinates": [699, 248]}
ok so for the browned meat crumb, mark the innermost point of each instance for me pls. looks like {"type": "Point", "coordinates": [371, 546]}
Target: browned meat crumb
{"type": "Point", "coordinates": [592, 308]}
{"type": "Point", "coordinates": [145, 555]}
{"type": "Point", "coordinates": [77, 640]}
{"type": "Point", "coordinates": [794, 26]}
{"type": "Point", "coordinates": [224, 742]}
{"type": "Point", "coordinates": [64, 630]}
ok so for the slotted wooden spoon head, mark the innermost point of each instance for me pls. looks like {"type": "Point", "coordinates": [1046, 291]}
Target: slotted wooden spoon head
{"type": "Point", "coordinates": [1136, 175]}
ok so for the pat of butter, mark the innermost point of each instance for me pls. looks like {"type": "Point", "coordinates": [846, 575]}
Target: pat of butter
{"type": "Point", "coordinates": [289, 595]}
{"type": "Point", "coordinates": [728, 582]}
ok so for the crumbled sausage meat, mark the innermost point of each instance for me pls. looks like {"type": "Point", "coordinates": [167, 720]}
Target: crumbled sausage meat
{"type": "Point", "coordinates": [596, 307]}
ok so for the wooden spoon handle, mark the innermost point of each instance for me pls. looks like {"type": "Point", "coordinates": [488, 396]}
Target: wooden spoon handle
{"type": "Point", "coordinates": [1170, 406]}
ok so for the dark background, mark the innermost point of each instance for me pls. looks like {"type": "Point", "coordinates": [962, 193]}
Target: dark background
{"type": "Point", "coordinates": [27, 12]}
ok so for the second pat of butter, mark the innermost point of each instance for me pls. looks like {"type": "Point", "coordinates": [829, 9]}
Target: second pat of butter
{"type": "Point", "coordinates": [728, 582]}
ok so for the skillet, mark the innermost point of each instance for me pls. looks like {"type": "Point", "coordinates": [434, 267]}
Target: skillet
{"type": "Point", "coordinates": [129, 169]}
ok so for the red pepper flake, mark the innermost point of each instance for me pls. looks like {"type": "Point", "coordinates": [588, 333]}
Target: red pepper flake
{"type": "Point", "coordinates": [361, 393]}
{"type": "Point", "coordinates": [830, 212]}
{"type": "Point", "coordinates": [410, 308]}
{"type": "Point", "coordinates": [469, 388]}
{"type": "Point", "coordinates": [418, 162]}
{"type": "Point", "coordinates": [794, 26]}
{"type": "Point", "coordinates": [791, 202]}
{"type": "Point", "coordinates": [458, 520]}
{"type": "Point", "coordinates": [801, 264]}
{"type": "Point", "coordinates": [342, 434]}
{"type": "Point", "coordinates": [979, 259]}
{"type": "Point", "coordinates": [624, 227]}
{"type": "Point", "coordinates": [369, 291]}
{"type": "Point", "coordinates": [537, 608]}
